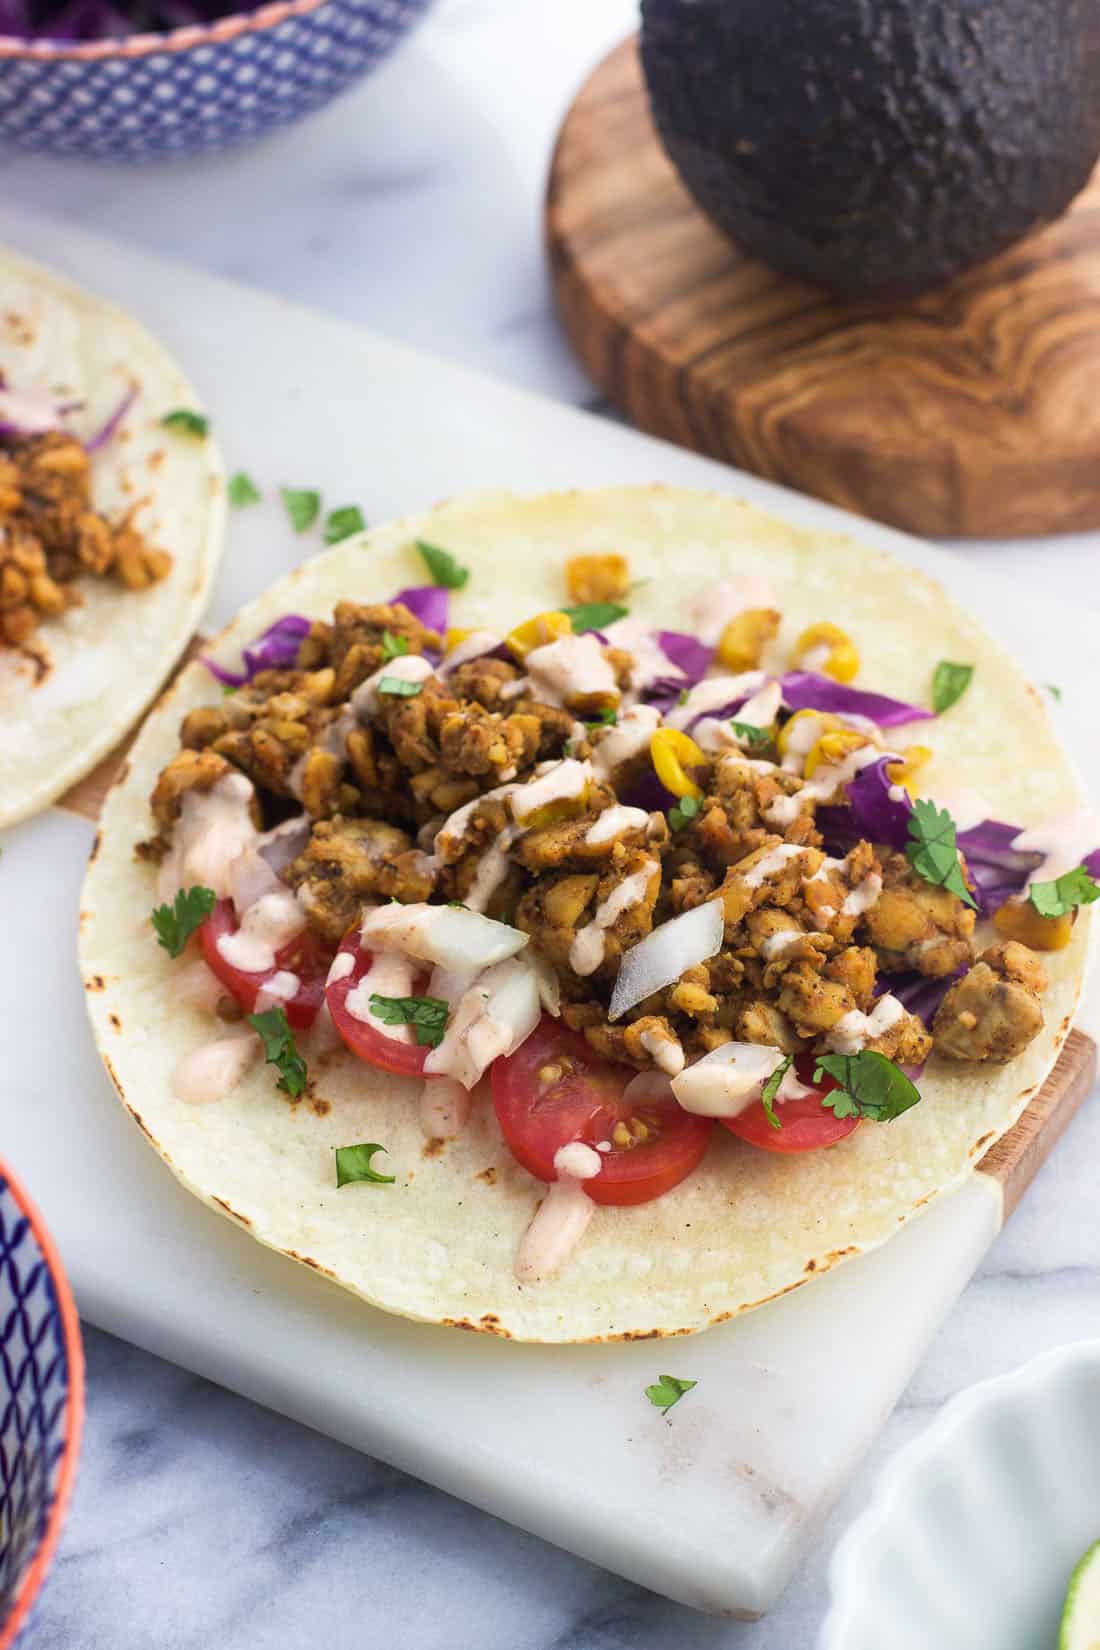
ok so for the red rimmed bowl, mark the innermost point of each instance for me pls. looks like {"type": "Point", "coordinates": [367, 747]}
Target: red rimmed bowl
{"type": "Point", "coordinates": [41, 1404]}
{"type": "Point", "coordinates": [195, 89]}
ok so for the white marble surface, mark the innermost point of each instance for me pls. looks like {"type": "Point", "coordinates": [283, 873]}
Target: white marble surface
{"type": "Point", "coordinates": [199, 1518]}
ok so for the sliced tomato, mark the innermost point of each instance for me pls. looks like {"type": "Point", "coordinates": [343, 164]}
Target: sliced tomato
{"type": "Point", "coordinates": [306, 955]}
{"type": "Point", "coordinates": [556, 1089]}
{"type": "Point", "coordinates": [406, 1058]}
{"type": "Point", "coordinates": [805, 1124]}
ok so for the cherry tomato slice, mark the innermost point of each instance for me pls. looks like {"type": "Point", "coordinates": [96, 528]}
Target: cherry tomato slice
{"type": "Point", "coordinates": [806, 1124]}
{"type": "Point", "coordinates": [364, 1039]}
{"type": "Point", "coordinates": [539, 1112]}
{"type": "Point", "coordinates": [306, 955]}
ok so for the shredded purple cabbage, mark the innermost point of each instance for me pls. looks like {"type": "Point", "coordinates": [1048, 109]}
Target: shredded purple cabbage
{"type": "Point", "coordinates": [690, 656]}
{"type": "Point", "coordinates": [921, 994]}
{"type": "Point", "coordinates": [807, 690]}
{"type": "Point", "coordinates": [720, 713]}
{"type": "Point", "coordinates": [75, 21]}
{"type": "Point", "coordinates": [276, 649]}
{"type": "Point", "coordinates": [877, 815]}
{"type": "Point", "coordinates": [997, 870]}
{"type": "Point", "coordinates": [430, 603]}
{"type": "Point", "coordinates": [107, 431]}
{"type": "Point", "coordinates": [650, 794]}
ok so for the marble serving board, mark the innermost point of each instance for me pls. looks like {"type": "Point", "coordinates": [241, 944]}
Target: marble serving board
{"type": "Point", "coordinates": [715, 1504]}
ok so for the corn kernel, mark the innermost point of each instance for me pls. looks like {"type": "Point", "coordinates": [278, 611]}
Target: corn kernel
{"type": "Point", "coordinates": [1017, 919]}
{"type": "Point", "coordinates": [454, 638]}
{"type": "Point", "coordinates": [832, 747]}
{"type": "Point", "coordinates": [743, 640]}
{"type": "Point", "coordinates": [537, 632]}
{"type": "Point", "coordinates": [913, 758]}
{"type": "Point", "coordinates": [840, 659]}
{"type": "Point", "coordinates": [819, 720]}
{"type": "Point", "coordinates": [672, 752]}
{"type": "Point", "coordinates": [597, 578]}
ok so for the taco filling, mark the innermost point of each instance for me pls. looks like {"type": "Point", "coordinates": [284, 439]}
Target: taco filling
{"type": "Point", "coordinates": [644, 882]}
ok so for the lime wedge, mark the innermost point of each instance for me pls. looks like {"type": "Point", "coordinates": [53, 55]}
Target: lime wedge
{"type": "Point", "coordinates": [1081, 1615]}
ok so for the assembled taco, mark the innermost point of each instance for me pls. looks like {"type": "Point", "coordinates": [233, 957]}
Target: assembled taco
{"type": "Point", "coordinates": [654, 910]}
{"type": "Point", "coordinates": [111, 517]}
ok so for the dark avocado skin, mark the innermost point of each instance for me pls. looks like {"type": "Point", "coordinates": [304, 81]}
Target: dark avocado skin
{"type": "Point", "coordinates": [876, 147]}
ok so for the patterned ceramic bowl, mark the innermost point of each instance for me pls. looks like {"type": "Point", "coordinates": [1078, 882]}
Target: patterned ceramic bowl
{"type": "Point", "coordinates": [41, 1404]}
{"type": "Point", "coordinates": [975, 1527]}
{"type": "Point", "coordinates": [195, 89]}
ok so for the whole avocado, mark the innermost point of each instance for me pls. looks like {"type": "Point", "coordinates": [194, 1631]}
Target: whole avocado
{"type": "Point", "coordinates": [876, 147]}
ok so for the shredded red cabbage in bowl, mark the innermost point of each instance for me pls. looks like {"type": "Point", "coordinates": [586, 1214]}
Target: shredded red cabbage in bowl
{"type": "Point", "coordinates": [73, 22]}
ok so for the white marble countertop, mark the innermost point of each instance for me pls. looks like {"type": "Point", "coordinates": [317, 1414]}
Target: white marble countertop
{"type": "Point", "coordinates": [414, 205]}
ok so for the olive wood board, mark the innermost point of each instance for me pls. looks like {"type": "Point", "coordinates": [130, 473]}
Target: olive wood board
{"type": "Point", "coordinates": [1014, 1160]}
{"type": "Point", "coordinates": [714, 1506]}
{"type": "Point", "coordinates": [970, 412]}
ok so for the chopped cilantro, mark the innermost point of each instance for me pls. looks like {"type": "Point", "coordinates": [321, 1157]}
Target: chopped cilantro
{"type": "Point", "coordinates": [354, 1163]}
{"type": "Point", "coordinates": [684, 811]}
{"type": "Point", "coordinates": [949, 683]}
{"type": "Point", "coordinates": [683, 698]}
{"type": "Point", "coordinates": [1055, 899]}
{"type": "Point", "coordinates": [1054, 690]}
{"type": "Point", "coordinates": [667, 1391]}
{"type": "Point", "coordinates": [870, 1086]}
{"type": "Point", "coordinates": [771, 1089]}
{"type": "Point", "coordinates": [750, 733]}
{"type": "Point", "coordinates": [393, 647]}
{"type": "Point", "coordinates": [426, 1015]}
{"type": "Point", "coordinates": [302, 506]}
{"type": "Point", "coordinates": [602, 719]}
{"type": "Point", "coordinates": [187, 422]}
{"type": "Point", "coordinates": [177, 922]}
{"type": "Point", "coordinates": [594, 615]}
{"type": "Point", "coordinates": [933, 853]}
{"type": "Point", "coordinates": [280, 1049]}
{"type": "Point", "coordinates": [242, 490]}
{"type": "Point", "coordinates": [399, 688]}
{"type": "Point", "coordinates": [341, 524]}
{"type": "Point", "coordinates": [442, 566]}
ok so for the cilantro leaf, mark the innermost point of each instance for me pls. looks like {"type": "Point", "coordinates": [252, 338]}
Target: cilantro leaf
{"type": "Point", "coordinates": [442, 566]}
{"type": "Point", "coordinates": [393, 647]}
{"type": "Point", "coordinates": [426, 1015]}
{"type": "Point", "coordinates": [1054, 899]}
{"type": "Point", "coordinates": [177, 922]}
{"type": "Point", "coordinates": [594, 615]}
{"type": "Point", "coordinates": [750, 733]}
{"type": "Point", "coordinates": [399, 688]}
{"type": "Point", "coordinates": [771, 1089]}
{"type": "Point", "coordinates": [1054, 690]}
{"type": "Point", "coordinates": [242, 490]}
{"type": "Point", "coordinates": [949, 682]}
{"type": "Point", "coordinates": [302, 506]}
{"type": "Point", "coordinates": [683, 813]}
{"type": "Point", "coordinates": [933, 853]}
{"type": "Point", "coordinates": [870, 1086]}
{"type": "Point", "coordinates": [683, 696]}
{"type": "Point", "coordinates": [602, 719]}
{"type": "Point", "coordinates": [668, 1390]}
{"type": "Point", "coordinates": [187, 422]}
{"type": "Point", "coordinates": [354, 1163]}
{"type": "Point", "coordinates": [341, 524]}
{"type": "Point", "coordinates": [280, 1049]}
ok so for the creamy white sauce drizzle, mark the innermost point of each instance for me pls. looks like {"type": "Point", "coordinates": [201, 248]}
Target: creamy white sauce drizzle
{"type": "Point", "coordinates": [667, 1053]}
{"type": "Point", "coordinates": [212, 1070]}
{"type": "Point", "coordinates": [195, 985]}
{"type": "Point", "coordinates": [250, 878]}
{"type": "Point", "coordinates": [444, 1108]}
{"type": "Point", "coordinates": [762, 709]}
{"type": "Point", "coordinates": [491, 871]}
{"type": "Point", "coordinates": [826, 781]}
{"type": "Point", "coordinates": [855, 1030]}
{"type": "Point", "coordinates": [407, 667]}
{"type": "Point", "coordinates": [561, 1217]}
{"type": "Point", "coordinates": [622, 743]}
{"type": "Point", "coordinates": [778, 945]}
{"type": "Point", "coordinates": [727, 1080]}
{"type": "Point", "coordinates": [389, 975]}
{"type": "Point", "coordinates": [712, 693]}
{"type": "Point", "coordinates": [613, 822]}
{"type": "Point", "coordinates": [774, 860]}
{"type": "Point", "coordinates": [265, 928]}
{"type": "Point", "coordinates": [556, 782]}
{"type": "Point", "coordinates": [716, 604]}
{"type": "Point", "coordinates": [863, 897]}
{"type": "Point", "coordinates": [343, 964]}
{"type": "Point", "coordinates": [452, 833]}
{"type": "Point", "coordinates": [587, 950]}
{"type": "Point", "coordinates": [570, 668]}
{"type": "Point", "coordinates": [213, 828]}
{"type": "Point", "coordinates": [649, 660]}
{"type": "Point", "coordinates": [1064, 842]}
{"type": "Point", "coordinates": [280, 988]}
{"type": "Point", "coordinates": [481, 642]}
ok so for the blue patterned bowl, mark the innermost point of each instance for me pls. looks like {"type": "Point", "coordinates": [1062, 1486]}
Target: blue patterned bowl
{"type": "Point", "coordinates": [196, 89]}
{"type": "Point", "coordinates": [41, 1404]}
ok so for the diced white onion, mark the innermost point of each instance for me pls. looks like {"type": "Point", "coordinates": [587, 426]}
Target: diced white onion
{"type": "Point", "coordinates": [464, 941]}
{"type": "Point", "coordinates": [663, 955]}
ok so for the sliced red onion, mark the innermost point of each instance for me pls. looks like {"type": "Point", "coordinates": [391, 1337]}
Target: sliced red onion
{"type": "Point", "coordinates": [276, 649]}
{"type": "Point", "coordinates": [663, 955]}
{"type": "Point", "coordinates": [807, 690]}
{"type": "Point", "coordinates": [109, 430]}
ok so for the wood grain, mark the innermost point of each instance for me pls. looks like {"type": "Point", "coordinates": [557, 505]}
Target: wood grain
{"type": "Point", "coordinates": [972, 412]}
